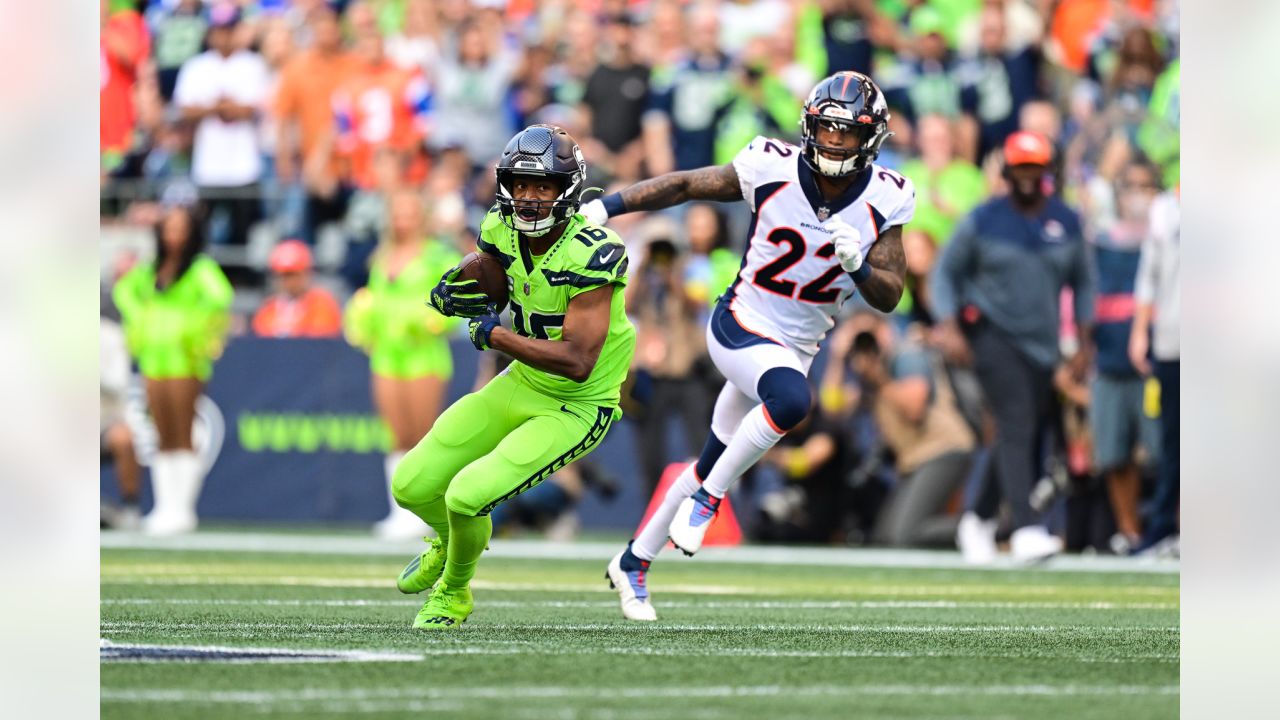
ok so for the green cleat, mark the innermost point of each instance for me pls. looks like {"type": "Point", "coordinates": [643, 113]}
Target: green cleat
{"type": "Point", "coordinates": [448, 607]}
{"type": "Point", "coordinates": [424, 570]}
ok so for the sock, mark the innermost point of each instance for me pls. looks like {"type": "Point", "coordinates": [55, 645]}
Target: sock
{"type": "Point", "coordinates": [162, 483]}
{"type": "Point", "coordinates": [188, 480]}
{"type": "Point", "coordinates": [755, 435]}
{"type": "Point", "coordinates": [653, 536]}
{"type": "Point", "coordinates": [468, 536]}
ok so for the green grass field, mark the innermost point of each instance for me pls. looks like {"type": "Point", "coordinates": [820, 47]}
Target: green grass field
{"type": "Point", "coordinates": [735, 640]}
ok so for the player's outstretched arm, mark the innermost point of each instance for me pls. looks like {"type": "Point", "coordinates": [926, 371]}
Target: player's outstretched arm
{"type": "Point", "coordinates": [586, 325]}
{"type": "Point", "coordinates": [717, 182]}
{"type": "Point", "coordinates": [883, 288]}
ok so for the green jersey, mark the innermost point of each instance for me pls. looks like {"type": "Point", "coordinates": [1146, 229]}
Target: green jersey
{"type": "Point", "coordinates": [584, 258]}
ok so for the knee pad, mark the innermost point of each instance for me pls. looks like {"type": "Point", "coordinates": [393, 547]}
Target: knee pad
{"type": "Point", "coordinates": [786, 395]}
{"type": "Point", "coordinates": [410, 486]}
{"type": "Point", "coordinates": [464, 500]}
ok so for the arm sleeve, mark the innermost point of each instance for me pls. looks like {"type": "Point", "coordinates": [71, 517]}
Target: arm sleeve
{"type": "Point", "coordinates": [948, 276]}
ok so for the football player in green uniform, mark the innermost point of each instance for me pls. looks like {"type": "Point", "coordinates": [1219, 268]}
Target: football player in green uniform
{"type": "Point", "coordinates": [571, 343]}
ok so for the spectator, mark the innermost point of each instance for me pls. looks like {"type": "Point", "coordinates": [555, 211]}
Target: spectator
{"type": "Point", "coordinates": [947, 187]}
{"type": "Point", "coordinates": [1000, 279]}
{"type": "Point", "coordinates": [116, 438]}
{"type": "Point", "coordinates": [286, 201]}
{"type": "Point", "coordinates": [998, 81]}
{"type": "Point", "coordinates": [921, 254]}
{"type": "Point", "coordinates": [416, 45]}
{"type": "Point", "coordinates": [381, 106]}
{"type": "Point", "coordinates": [470, 93]}
{"type": "Point", "coordinates": [125, 46]}
{"type": "Point", "coordinates": [915, 409]}
{"type": "Point", "coordinates": [688, 100]}
{"type": "Point", "coordinates": [615, 98]}
{"type": "Point", "coordinates": [1159, 135]}
{"type": "Point", "coordinates": [1121, 427]}
{"type": "Point", "coordinates": [1155, 335]}
{"type": "Point", "coordinates": [222, 90]}
{"type": "Point", "coordinates": [175, 313]}
{"type": "Point", "coordinates": [839, 32]}
{"type": "Point", "coordinates": [928, 84]}
{"type": "Point", "coordinates": [816, 503]}
{"type": "Point", "coordinates": [1129, 88]}
{"type": "Point", "coordinates": [711, 266]}
{"type": "Point", "coordinates": [406, 341]}
{"type": "Point", "coordinates": [742, 21]}
{"type": "Point", "coordinates": [669, 341]}
{"type": "Point", "coordinates": [304, 118]}
{"type": "Point", "coordinates": [299, 309]}
{"type": "Point", "coordinates": [179, 36]}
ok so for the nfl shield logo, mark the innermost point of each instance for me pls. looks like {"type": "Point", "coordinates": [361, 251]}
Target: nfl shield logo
{"type": "Point", "coordinates": [823, 214]}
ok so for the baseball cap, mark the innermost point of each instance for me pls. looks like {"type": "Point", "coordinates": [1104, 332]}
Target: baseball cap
{"type": "Point", "coordinates": [290, 256]}
{"type": "Point", "coordinates": [1027, 148]}
{"type": "Point", "coordinates": [224, 15]}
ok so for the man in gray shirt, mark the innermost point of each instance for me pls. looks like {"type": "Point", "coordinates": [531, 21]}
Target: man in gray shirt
{"type": "Point", "coordinates": [996, 292]}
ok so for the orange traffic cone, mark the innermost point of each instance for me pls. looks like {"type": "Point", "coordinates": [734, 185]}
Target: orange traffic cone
{"type": "Point", "coordinates": [724, 530]}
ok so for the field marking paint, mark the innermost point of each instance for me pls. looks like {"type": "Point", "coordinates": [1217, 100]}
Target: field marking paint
{"type": "Point", "coordinates": [603, 551]}
{"type": "Point", "coordinates": [653, 628]}
{"type": "Point", "coordinates": [158, 575]}
{"type": "Point", "coordinates": [108, 651]}
{"type": "Point", "coordinates": [677, 604]}
{"type": "Point", "coordinates": [327, 695]}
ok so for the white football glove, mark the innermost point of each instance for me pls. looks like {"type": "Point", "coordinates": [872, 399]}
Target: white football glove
{"type": "Point", "coordinates": [847, 240]}
{"type": "Point", "coordinates": [594, 212]}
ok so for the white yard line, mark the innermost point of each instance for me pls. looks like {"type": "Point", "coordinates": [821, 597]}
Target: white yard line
{"type": "Point", "coordinates": [265, 654]}
{"type": "Point", "coordinates": [710, 604]}
{"type": "Point", "coordinates": [328, 695]}
{"type": "Point", "coordinates": [603, 551]}
{"type": "Point", "coordinates": [656, 628]}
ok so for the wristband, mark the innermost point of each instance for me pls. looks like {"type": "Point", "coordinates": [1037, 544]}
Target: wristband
{"type": "Point", "coordinates": [861, 274]}
{"type": "Point", "coordinates": [613, 204]}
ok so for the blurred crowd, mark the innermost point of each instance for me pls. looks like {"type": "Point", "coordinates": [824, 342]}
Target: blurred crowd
{"type": "Point", "coordinates": [317, 139]}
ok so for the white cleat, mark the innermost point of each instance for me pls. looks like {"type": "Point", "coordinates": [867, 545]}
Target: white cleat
{"type": "Point", "coordinates": [976, 539]}
{"type": "Point", "coordinates": [689, 527]}
{"type": "Point", "coordinates": [1033, 543]}
{"type": "Point", "coordinates": [631, 587]}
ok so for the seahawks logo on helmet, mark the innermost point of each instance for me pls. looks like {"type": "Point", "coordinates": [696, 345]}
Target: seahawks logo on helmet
{"type": "Point", "coordinates": [540, 151]}
{"type": "Point", "coordinates": [851, 101]}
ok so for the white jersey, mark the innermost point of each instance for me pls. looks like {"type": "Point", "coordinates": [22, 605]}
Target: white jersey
{"type": "Point", "coordinates": [791, 285]}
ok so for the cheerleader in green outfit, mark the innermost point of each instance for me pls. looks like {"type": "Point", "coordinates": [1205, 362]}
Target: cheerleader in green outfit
{"type": "Point", "coordinates": [175, 312]}
{"type": "Point", "coordinates": [407, 341]}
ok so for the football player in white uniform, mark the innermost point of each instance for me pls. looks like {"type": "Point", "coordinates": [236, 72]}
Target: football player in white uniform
{"type": "Point", "coordinates": [826, 221]}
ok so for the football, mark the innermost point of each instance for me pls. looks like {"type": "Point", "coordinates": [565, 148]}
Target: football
{"type": "Point", "coordinates": [488, 272]}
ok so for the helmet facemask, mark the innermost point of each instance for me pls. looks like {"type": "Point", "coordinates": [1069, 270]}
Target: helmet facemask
{"type": "Point", "coordinates": [848, 160]}
{"type": "Point", "coordinates": [526, 215]}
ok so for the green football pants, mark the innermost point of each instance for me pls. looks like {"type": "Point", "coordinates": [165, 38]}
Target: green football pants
{"type": "Point", "coordinates": [492, 445]}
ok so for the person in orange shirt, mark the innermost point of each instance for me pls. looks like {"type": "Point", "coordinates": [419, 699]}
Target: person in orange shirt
{"type": "Point", "coordinates": [304, 110]}
{"type": "Point", "coordinates": [298, 309]}
{"type": "Point", "coordinates": [382, 105]}
{"type": "Point", "coordinates": [125, 47]}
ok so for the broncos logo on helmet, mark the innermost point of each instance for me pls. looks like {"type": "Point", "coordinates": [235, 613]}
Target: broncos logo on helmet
{"type": "Point", "coordinates": [540, 151]}
{"type": "Point", "coordinates": [852, 102]}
